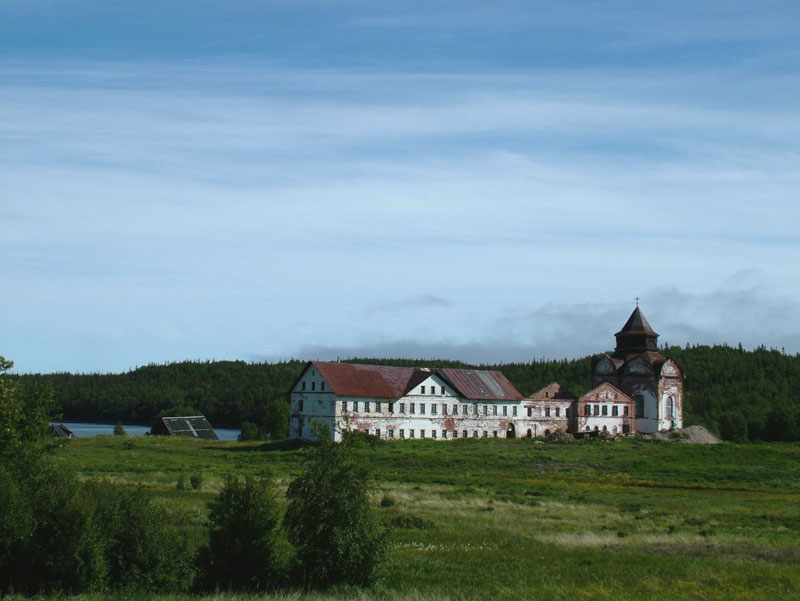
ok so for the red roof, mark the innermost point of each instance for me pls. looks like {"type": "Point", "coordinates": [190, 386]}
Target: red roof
{"type": "Point", "coordinates": [377, 381]}
{"type": "Point", "coordinates": [389, 382]}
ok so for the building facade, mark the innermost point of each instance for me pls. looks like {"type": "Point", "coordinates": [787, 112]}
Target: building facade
{"type": "Point", "coordinates": [635, 390]}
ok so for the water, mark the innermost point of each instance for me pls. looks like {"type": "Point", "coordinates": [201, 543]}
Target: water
{"type": "Point", "coordinates": [81, 429]}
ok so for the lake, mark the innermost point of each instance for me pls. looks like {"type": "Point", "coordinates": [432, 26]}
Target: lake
{"type": "Point", "coordinates": [80, 429]}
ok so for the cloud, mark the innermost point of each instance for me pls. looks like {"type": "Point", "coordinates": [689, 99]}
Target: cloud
{"type": "Point", "coordinates": [741, 309]}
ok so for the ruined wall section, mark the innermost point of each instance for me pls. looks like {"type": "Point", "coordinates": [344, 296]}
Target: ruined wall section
{"type": "Point", "coordinates": [670, 395]}
{"type": "Point", "coordinates": [605, 409]}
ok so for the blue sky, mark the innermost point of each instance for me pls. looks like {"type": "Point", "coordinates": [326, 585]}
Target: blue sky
{"type": "Point", "coordinates": [266, 180]}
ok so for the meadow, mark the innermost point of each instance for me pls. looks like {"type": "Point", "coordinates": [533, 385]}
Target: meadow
{"type": "Point", "coordinates": [524, 519]}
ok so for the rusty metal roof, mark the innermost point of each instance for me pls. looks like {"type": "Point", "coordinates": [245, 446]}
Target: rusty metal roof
{"type": "Point", "coordinates": [478, 384]}
{"type": "Point", "coordinates": [354, 379]}
{"type": "Point", "coordinates": [389, 382]}
{"type": "Point", "coordinates": [196, 426]}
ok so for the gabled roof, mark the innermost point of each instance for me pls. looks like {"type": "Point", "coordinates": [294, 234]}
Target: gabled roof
{"type": "Point", "coordinates": [592, 394]}
{"type": "Point", "coordinates": [196, 426]}
{"type": "Point", "coordinates": [553, 391]}
{"type": "Point", "coordinates": [637, 324]}
{"type": "Point", "coordinates": [389, 382]}
{"type": "Point", "coordinates": [478, 384]}
{"type": "Point", "coordinates": [377, 381]}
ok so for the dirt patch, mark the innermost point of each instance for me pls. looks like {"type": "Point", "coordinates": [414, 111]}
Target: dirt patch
{"type": "Point", "coordinates": [692, 434]}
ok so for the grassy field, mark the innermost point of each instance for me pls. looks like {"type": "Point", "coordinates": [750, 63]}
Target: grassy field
{"type": "Point", "coordinates": [524, 519]}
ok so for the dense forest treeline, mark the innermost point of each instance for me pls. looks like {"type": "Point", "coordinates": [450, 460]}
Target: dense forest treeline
{"type": "Point", "coordinates": [741, 395]}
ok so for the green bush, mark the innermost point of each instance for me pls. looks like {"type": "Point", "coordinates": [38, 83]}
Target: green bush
{"type": "Point", "coordinates": [196, 480]}
{"type": "Point", "coordinates": [119, 429]}
{"type": "Point", "coordinates": [330, 520]}
{"type": "Point", "coordinates": [243, 527]}
{"type": "Point", "coordinates": [250, 431]}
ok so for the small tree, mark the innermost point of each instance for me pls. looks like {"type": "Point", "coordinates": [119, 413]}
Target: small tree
{"type": "Point", "coordinates": [119, 429]}
{"type": "Point", "coordinates": [243, 531]}
{"type": "Point", "coordinates": [329, 518]}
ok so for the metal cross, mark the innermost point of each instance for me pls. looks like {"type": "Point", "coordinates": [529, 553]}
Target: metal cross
{"type": "Point", "coordinates": [637, 301]}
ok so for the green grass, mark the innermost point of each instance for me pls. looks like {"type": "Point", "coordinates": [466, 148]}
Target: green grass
{"type": "Point", "coordinates": [505, 519]}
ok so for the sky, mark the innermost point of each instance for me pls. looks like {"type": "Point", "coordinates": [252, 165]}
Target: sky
{"type": "Point", "coordinates": [489, 182]}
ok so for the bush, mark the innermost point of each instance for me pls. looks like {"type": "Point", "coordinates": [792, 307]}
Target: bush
{"type": "Point", "coordinates": [139, 549]}
{"type": "Point", "coordinates": [196, 480]}
{"type": "Point", "coordinates": [388, 501]}
{"type": "Point", "coordinates": [242, 551]}
{"type": "Point", "coordinates": [181, 483]}
{"type": "Point", "coordinates": [119, 429]}
{"type": "Point", "coordinates": [250, 431]}
{"type": "Point", "coordinates": [329, 518]}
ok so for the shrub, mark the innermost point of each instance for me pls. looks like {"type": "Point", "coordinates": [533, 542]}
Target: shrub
{"type": "Point", "coordinates": [181, 483]}
{"type": "Point", "coordinates": [139, 549]}
{"type": "Point", "coordinates": [119, 429]}
{"type": "Point", "coordinates": [388, 501]}
{"type": "Point", "coordinates": [329, 518]}
{"type": "Point", "coordinates": [243, 532]}
{"type": "Point", "coordinates": [250, 431]}
{"type": "Point", "coordinates": [196, 480]}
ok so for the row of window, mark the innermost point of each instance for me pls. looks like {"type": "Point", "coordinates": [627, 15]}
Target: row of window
{"type": "Point", "coordinates": [600, 410]}
{"type": "Point", "coordinates": [435, 408]}
{"type": "Point", "coordinates": [434, 433]}
{"type": "Point", "coordinates": [313, 386]}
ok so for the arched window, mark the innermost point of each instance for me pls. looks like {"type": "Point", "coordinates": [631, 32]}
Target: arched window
{"type": "Point", "coordinates": [670, 408]}
{"type": "Point", "coordinates": [530, 434]}
{"type": "Point", "coordinates": [639, 405]}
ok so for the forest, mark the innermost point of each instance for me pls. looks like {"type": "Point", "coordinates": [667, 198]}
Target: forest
{"type": "Point", "coordinates": [740, 395]}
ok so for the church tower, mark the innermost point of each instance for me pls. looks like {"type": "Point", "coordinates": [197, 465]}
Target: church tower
{"type": "Point", "coordinates": [640, 371]}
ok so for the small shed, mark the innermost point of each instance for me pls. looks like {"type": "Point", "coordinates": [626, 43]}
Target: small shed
{"type": "Point", "coordinates": [59, 431]}
{"type": "Point", "coordinates": [196, 426]}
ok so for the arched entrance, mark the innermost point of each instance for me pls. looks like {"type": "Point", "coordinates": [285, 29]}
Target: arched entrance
{"type": "Point", "coordinates": [511, 432]}
{"type": "Point", "coordinates": [530, 434]}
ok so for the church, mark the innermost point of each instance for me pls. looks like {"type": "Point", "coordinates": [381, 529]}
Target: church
{"type": "Point", "coordinates": [635, 389]}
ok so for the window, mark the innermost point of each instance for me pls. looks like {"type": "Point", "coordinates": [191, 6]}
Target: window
{"type": "Point", "coordinates": [605, 409]}
{"type": "Point", "coordinates": [464, 434]}
{"type": "Point", "coordinates": [422, 433]}
{"type": "Point", "coordinates": [558, 411]}
{"type": "Point", "coordinates": [639, 405]}
{"type": "Point", "coordinates": [615, 410]}
{"type": "Point", "coordinates": [547, 394]}
{"type": "Point", "coordinates": [402, 408]}
{"type": "Point", "coordinates": [377, 406]}
{"type": "Point", "coordinates": [455, 433]}
{"type": "Point", "coordinates": [433, 408]}
{"type": "Point", "coordinates": [300, 405]}
{"type": "Point", "coordinates": [402, 433]}
{"type": "Point", "coordinates": [476, 409]}
{"type": "Point", "coordinates": [485, 434]}
{"type": "Point", "coordinates": [391, 407]}
{"type": "Point", "coordinates": [413, 408]}
{"type": "Point", "coordinates": [322, 386]}
{"type": "Point", "coordinates": [625, 410]}
{"type": "Point", "coordinates": [444, 433]}
{"type": "Point", "coordinates": [455, 409]}
{"type": "Point", "coordinates": [378, 432]}
{"type": "Point", "coordinates": [422, 408]}
{"type": "Point", "coordinates": [422, 389]}
{"type": "Point", "coordinates": [355, 406]}
{"type": "Point", "coordinates": [304, 385]}
{"type": "Point", "coordinates": [494, 409]}
{"type": "Point", "coordinates": [411, 433]}
{"type": "Point", "coordinates": [597, 409]}
{"type": "Point", "coordinates": [670, 407]}
{"type": "Point", "coordinates": [587, 410]}
{"type": "Point", "coordinates": [444, 409]}
{"type": "Point", "coordinates": [505, 410]}
{"type": "Point", "coordinates": [344, 405]}
{"type": "Point", "coordinates": [474, 434]}
{"type": "Point", "coordinates": [366, 406]}
{"type": "Point", "coordinates": [547, 411]}
{"type": "Point", "coordinates": [313, 385]}
{"type": "Point", "coordinates": [486, 409]}
{"type": "Point", "coordinates": [514, 411]}
{"type": "Point", "coordinates": [495, 433]}
{"type": "Point", "coordinates": [391, 433]}
{"type": "Point", "coordinates": [433, 434]}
